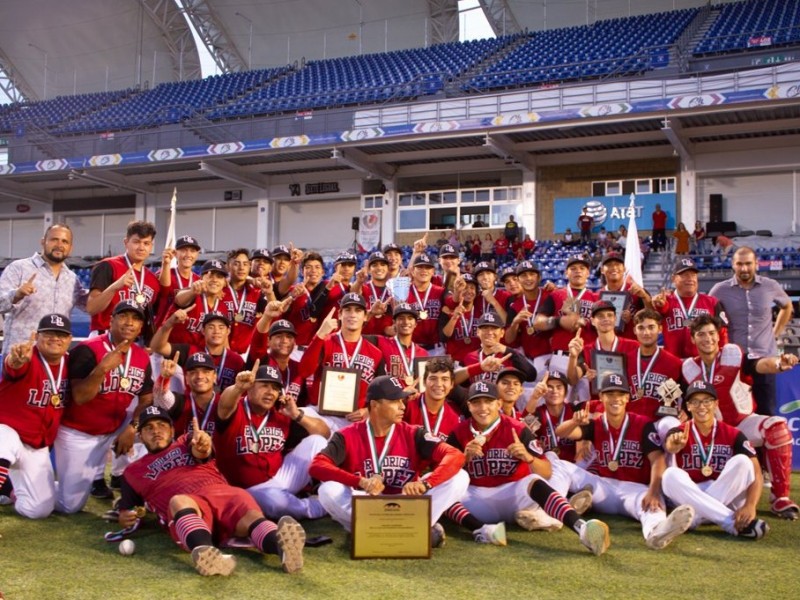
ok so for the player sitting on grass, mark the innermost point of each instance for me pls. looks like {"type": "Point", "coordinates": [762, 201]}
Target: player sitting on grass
{"type": "Point", "coordinates": [180, 481]}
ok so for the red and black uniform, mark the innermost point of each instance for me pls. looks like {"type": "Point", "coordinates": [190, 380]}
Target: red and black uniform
{"type": "Point", "coordinates": [26, 400]}
{"type": "Point", "coordinates": [250, 448]}
{"type": "Point", "coordinates": [634, 304]}
{"type": "Point", "coordinates": [347, 458]}
{"type": "Point", "coordinates": [677, 337]}
{"type": "Point", "coordinates": [546, 434]}
{"type": "Point", "coordinates": [393, 362]}
{"type": "Point", "coordinates": [728, 442]}
{"type": "Point", "coordinates": [552, 307]}
{"type": "Point", "coordinates": [166, 296]}
{"type": "Point", "coordinates": [496, 466]}
{"type": "Point", "coordinates": [654, 370]}
{"type": "Point", "coordinates": [227, 363]}
{"type": "Point", "coordinates": [191, 330]}
{"type": "Point", "coordinates": [532, 344]}
{"type": "Point", "coordinates": [289, 376]}
{"type": "Point", "coordinates": [414, 416]}
{"type": "Point", "coordinates": [621, 346]}
{"type": "Point", "coordinates": [109, 270]}
{"type": "Point", "coordinates": [155, 478]}
{"type": "Point", "coordinates": [426, 333]}
{"type": "Point", "coordinates": [182, 414]}
{"type": "Point", "coordinates": [336, 352]}
{"type": "Point", "coordinates": [247, 302]}
{"type": "Point", "coordinates": [106, 412]}
{"type": "Point", "coordinates": [640, 439]}
{"type": "Point", "coordinates": [473, 361]}
{"type": "Point", "coordinates": [303, 313]}
{"type": "Point", "coordinates": [376, 325]}
{"type": "Point", "coordinates": [482, 305]}
{"type": "Point", "coordinates": [465, 333]}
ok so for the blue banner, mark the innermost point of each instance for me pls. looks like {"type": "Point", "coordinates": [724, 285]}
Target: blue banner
{"type": "Point", "coordinates": [787, 399]}
{"type": "Point", "coordinates": [612, 211]}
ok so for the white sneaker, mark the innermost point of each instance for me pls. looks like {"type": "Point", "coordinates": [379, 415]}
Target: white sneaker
{"type": "Point", "coordinates": [581, 501]}
{"type": "Point", "coordinates": [491, 534]}
{"type": "Point", "coordinates": [438, 537]}
{"type": "Point", "coordinates": [595, 536]}
{"type": "Point", "coordinates": [208, 560]}
{"type": "Point", "coordinates": [675, 524]}
{"type": "Point", "coordinates": [291, 539]}
{"type": "Point", "coordinates": [533, 518]}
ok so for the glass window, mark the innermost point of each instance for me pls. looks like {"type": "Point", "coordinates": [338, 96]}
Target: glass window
{"type": "Point", "coordinates": [404, 200]}
{"type": "Point", "coordinates": [449, 197]}
{"type": "Point", "coordinates": [468, 196]}
{"type": "Point", "coordinates": [643, 186]}
{"type": "Point", "coordinates": [667, 185]}
{"type": "Point", "coordinates": [435, 198]}
{"type": "Point", "coordinates": [613, 188]}
{"type": "Point", "coordinates": [501, 213]}
{"type": "Point", "coordinates": [482, 195]}
{"type": "Point", "coordinates": [598, 188]}
{"type": "Point", "coordinates": [628, 187]}
{"type": "Point", "coordinates": [413, 219]}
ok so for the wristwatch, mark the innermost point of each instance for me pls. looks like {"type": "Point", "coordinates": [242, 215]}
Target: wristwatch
{"type": "Point", "coordinates": [299, 416]}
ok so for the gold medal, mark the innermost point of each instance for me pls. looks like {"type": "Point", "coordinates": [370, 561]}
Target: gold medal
{"type": "Point", "coordinates": [238, 317]}
{"type": "Point", "coordinates": [467, 340]}
{"type": "Point", "coordinates": [613, 465]}
{"type": "Point", "coordinates": [408, 379]}
{"type": "Point", "coordinates": [531, 330]}
{"type": "Point", "coordinates": [55, 400]}
{"type": "Point", "coordinates": [312, 319]}
{"type": "Point", "coordinates": [140, 298]}
{"type": "Point", "coordinates": [481, 439]}
{"type": "Point", "coordinates": [124, 384]}
{"type": "Point", "coordinates": [423, 314]}
{"type": "Point", "coordinates": [140, 511]}
{"type": "Point", "coordinates": [639, 393]}
{"type": "Point", "coordinates": [707, 471]}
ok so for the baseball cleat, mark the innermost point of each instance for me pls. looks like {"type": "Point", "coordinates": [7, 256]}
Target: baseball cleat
{"type": "Point", "coordinates": [533, 518]}
{"type": "Point", "coordinates": [755, 530]}
{"type": "Point", "coordinates": [115, 482]}
{"type": "Point", "coordinates": [101, 490]}
{"type": "Point", "coordinates": [291, 539]}
{"type": "Point", "coordinates": [674, 525]}
{"type": "Point", "coordinates": [581, 501]}
{"type": "Point", "coordinates": [208, 560]}
{"type": "Point", "coordinates": [438, 537]}
{"type": "Point", "coordinates": [595, 536]}
{"type": "Point", "coordinates": [8, 500]}
{"type": "Point", "coordinates": [785, 509]}
{"type": "Point", "coordinates": [491, 534]}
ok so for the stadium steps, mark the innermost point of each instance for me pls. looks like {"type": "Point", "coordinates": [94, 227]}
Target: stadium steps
{"type": "Point", "coordinates": [456, 87]}
{"type": "Point", "coordinates": [710, 16]}
{"type": "Point", "coordinates": [207, 130]}
{"type": "Point", "coordinates": [656, 271]}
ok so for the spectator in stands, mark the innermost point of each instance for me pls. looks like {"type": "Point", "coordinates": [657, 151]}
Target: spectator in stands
{"type": "Point", "coordinates": [479, 222]}
{"type": "Point", "coordinates": [442, 239]}
{"type": "Point", "coordinates": [476, 249]}
{"type": "Point", "coordinates": [622, 238]}
{"type": "Point", "coordinates": [748, 300]}
{"type": "Point", "coordinates": [32, 287]}
{"type": "Point", "coordinates": [724, 245]}
{"type": "Point", "coordinates": [528, 246]}
{"type": "Point", "coordinates": [511, 231]}
{"type": "Point", "coordinates": [487, 248]}
{"type": "Point", "coordinates": [585, 223]}
{"type": "Point", "coordinates": [659, 228]}
{"type": "Point", "coordinates": [604, 239]}
{"type": "Point", "coordinates": [501, 249]}
{"type": "Point", "coordinates": [699, 238]}
{"type": "Point", "coordinates": [453, 239]}
{"type": "Point", "coordinates": [681, 236]}
{"type": "Point", "coordinates": [569, 237]}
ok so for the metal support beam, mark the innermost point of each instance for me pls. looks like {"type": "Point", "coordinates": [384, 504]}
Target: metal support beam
{"type": "Point", "coordinates": [673, 131]}
{"type": "Point", "coordinates": [504, 148]}
{"type": "Point", "coordinates": [500, 16]}
{"type": "Point", "coordinates": [444, 21]}
{"type": "Point", "coordinates": [14, 190]}
{"type": "Point", "coordinates": [109, 180]}
{"type": "Point", "coordinates": [178, 36]}
{"type": "Point", "coordinates": [226, 170]}
{"type": "Point", "coordinates": [358, 161]}
{"type": "Point", "coordinates": [12, 83]}
{"type": "Point", "coordinates": [216, 39]}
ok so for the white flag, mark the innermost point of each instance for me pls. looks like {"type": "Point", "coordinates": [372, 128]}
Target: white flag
{"type": "Point", "coordinates": [633, 252]}
{"type": "Point", "coordinates": [170, 241]}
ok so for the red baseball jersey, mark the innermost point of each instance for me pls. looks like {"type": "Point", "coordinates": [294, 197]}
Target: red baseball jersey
{"type": "Point", "coordinates": [107, 411]}
{"type": "Point", "coordinates": [621, 345]}
{"type": "Point", "coordinates": [396, 364]}
{"type": "Point", "coordinates": [373, 293]}
{"type": "Point", "coordinates": [546, 434]}
{"type": "Point", "coordinates": [109, 270]}
{"type": "Point", "coordinates": [166, 295]}
{"type": "Point", "coordinates": [243, 307]}
{"type": "Point", "coordinates": [496, 466]}
{"type": "Point", "coordinates": [26, 400]}
{"type": "Point", "coordinates": [639, 440]}
{"type": "Point", "coordinates": [634, 304]}
{"type": "Point", "coordinates": [301, 315]}
{"type": "Point", "coordinates": [654, 370]}
{"type": "Point", "coordinates": [732, 385]}
{"type": "Point", "coordinates": [417, 410]}
{"type": "Point", "coordinates": [677, 337]}
{"type": "Point", "coordinates": [249, 449]}
{"type": "Point", "coordinates": [191, 330]}
{"type": "Point", "coordinates": [727, 441]}
{"type": "Point", "coordinates": [465, 333]}
{"type": "Point", "coordinates": [430, 303]}
{"type": "Point", "coordinates": [516, 360]}
{"type": "Point", "coordinates": [536, 343]}
{"type": "Point", "coordinates": [186, 408]}
{"type": "Point", "coordinates": [553, 305]}
{"type": "Point", "coordinates": [227, 363]}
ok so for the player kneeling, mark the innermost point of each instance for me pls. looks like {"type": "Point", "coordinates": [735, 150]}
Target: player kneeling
{"type": "Point", "coordinates": [716, 470]}
{"type": "Point", "coordinates": [180, 481]}
{"type": "Point", "coordinates": [507, 471]}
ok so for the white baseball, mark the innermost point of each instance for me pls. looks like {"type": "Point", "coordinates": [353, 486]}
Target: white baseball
{"type": "Point", "coordinates": [127, 547]}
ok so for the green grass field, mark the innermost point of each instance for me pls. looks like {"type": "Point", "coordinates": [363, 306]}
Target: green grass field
{"type": "Point", "coordinates": [66, 557]}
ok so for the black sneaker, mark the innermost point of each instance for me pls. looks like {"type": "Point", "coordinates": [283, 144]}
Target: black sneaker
{"type": "Point", "coordinates": [100, 490]}
{"type": "Point", "coordinates": [116, 482]}
{"type": "Point", "coordinates": [755, 530]}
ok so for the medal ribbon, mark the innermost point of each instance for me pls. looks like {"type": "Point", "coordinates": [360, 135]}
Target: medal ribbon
{"type": "Point", "coordinates": [642, 378]}
{"type": "Point", "coordinates": [237, 306]}
{"type": "Point", "coordinates": [706, 458]}
{"type": "Point", "coordinates": [613, 346]}
{"type": "Point", "coordinates": [687, 314]}
{"type": "Point", "coordinates": [551, 431]}
{"type": "Point", "coordinates": [377, 461]}
{"type": "Point", "coordinates": [122, 370]}
{"type": "Point", "coordinates": [256, 431]}
{"type": "Point", "coordinates": [535, 308]}
{"type": "Point", "coordinates": [349, 361]}
{"type": "Point", "coordinates": [138, 285]}
{"type": "Point", "coordinates": [216, 303]}
{"type": "Point", "coordinates": [468, 328]}
{"type": "Point", "coordinates": [423, 407]}
{"type": "Point", "coordinates": [375, 293]}
{"type": "Point", "coordinates": [615, 447]}
{"type": "Point", "coordinates": [407, 366]}
{"type": "Point", "coordinates": [486, 432]}
{"type": "Point", "coordinates": [54, 385]}
{"type": "Point", "coordinates": [422, 303]}
{"type": "Point", "coordinates": [206, 415]}
{"type": "Point", "coordinates": [708, 376]}
{"type": "Point", "coordinates": [181, 285]}
{"type": "Point", "coordinates": [221, 363]}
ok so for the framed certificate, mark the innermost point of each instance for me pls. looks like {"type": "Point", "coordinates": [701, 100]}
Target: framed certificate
{"type": "Point", "coordinates": [608, 362]}
{"type": "Point", "coordinates": [419, 370]}
{"type": "Point", "coordinates": [391, 527]}
{"type": "Point", "coordinates": [620, 300]}
{"type": "Point", "coordinates": [338, 392]}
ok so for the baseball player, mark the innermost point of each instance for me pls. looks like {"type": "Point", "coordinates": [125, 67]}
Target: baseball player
{"type": "Point", "coordinates": [683, 305]}
{"type": "Point", "coordinates": [254, 423]}
{"type": "Point", "coordinates": [281, 346]}
{"type": "Point", "coordinates": [458, 319]}
{"type": "Point", "coordinates": [399, 351]}
{"type": "Point", "coordinates": [394, 256]}
{"type": "Point", "coordinates": [490, 332]}
{"type": "Point", "coordinates": [490, 297]}
{"type": "Point", "coordinates": [303, 311]}
{"type": "Point", "coordinates": [612, 267]}
{"type": "Point", "coordinates": [32, 390]}
{"type": "Point", "coordinates": [376, 293]}
{"type": "Point", "coordinates": [338, 285]}
{"type": "Point", "coordinates": [428, 300]}
{"type": "Point", "coordinates": [553, 388]}
{"type": "Point", "coordinates": [261, 263]}
{"type": "Point", "coordinates": [107, 374]}
{"type": "Point", "coordinates": [507, 470]}
{"type": "Point", "coordinates": [715, 469]}
{"type": "Point", "coordinates": [510, 383]}
{"type": "Point", "coordinates": [510, 282]}
{"type": "Point", "coordinates": [180, 481]}
{"type": "Point", "coordinates": [243, 299]}
{"type": "Point", "coordinates": [432, 409]}
{"type": "Point", "coordinates": [629, 462]}
{"type": "Point", "coordinates": [382, 455]}
{"type": "Point", "coordinates": [178, 277]}
{"type": "Point", "coordinates": [198, 402]}
{"type": "Point", "coordinates": [729, 371]}
{"type": "Point", "coordinates": [521, 332]}
{"type": "Point", "coordinates": [285, 268]}
{"type": "Point", "coordinates": [450, 269]}
{"type": "Point", "coordinates": [202, 297]}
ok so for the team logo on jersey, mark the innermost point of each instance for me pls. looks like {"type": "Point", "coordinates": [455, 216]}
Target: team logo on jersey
{"type": "Point", "coordinates": [747, 446]}
{"type": "Point", "coordinates": [534, 446]}
{"type": "Point", "coordinates": [434, 439]}
{"type": "Point", "coordinates": [654, 438]}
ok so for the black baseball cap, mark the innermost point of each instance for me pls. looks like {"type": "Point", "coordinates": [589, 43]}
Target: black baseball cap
{"type": "Point", "coordinates": [700, 386]}
{"type": "Point", "coordinates": [602, 305]}
{"type": "Point", "coordinates": [579, 258]}
{"type": "Point", "coordinates": [392, 248]}
{"type": "Point", "coordinates": [447, 250]}
{"type": "Point", "coordinates": [214, 316]}
{"type": "Point", "coordinates": [261, 253]}
{"type": "Point", "coordinates": [199, 360]}
{"type": "Point", "coordinates": [153, 413]}
{"type": "Point", "coordinates": [187, 241]}
{"type": "Point", "coordinates": [558, 376]}
{"type": "Point", "coordinates": [386, 388]}
{"type": "Point", "coordinates": [215, 266]}
{"type": "Point", "coordinates": [422, 260]}
{"type": "Point", "coordinates": [269, 374]}
{"type": "Point", "coordinates": [482, 389]}
{"type": "Point", "coordinates": [55, 322]}
{"type": "Point", "coordinates": [280, 250]}
{"type": "Point", "coordinates": [527, 266]}
{"type": "Point", "coordinates": [490, 319]}
{"type": "Point", "coordinates": [612, 257]}
{"type": "Point", "coordinates": [404, 309]}
{"type": "Point", "coordinates": [614, 382]}
{"type": "Point", "coordinates": [282, 326]}
{"type": "Point", "coordinates": [507, 272]}
{"type": "Point", "coordinates": [481, 267]}
{"type": "Point", "coordinates": [345, 258]}
{"type": "Point", "coordinates": [469, 278]}
{"type": "Point", "coordinates": [684, 264]}
{"type": "Point", "coordinates": [351, 298]}
{"type": "Point", "coordinates": [128, 306]}
{"type": "Point", "coordinates": [512, 371]}
{"type": "Point", "coordinates": [377, 257]}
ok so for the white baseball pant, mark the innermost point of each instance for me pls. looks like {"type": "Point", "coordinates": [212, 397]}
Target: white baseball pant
{"type": "Point", "coordinates": [495, 504]}
{"type": "Point", "coordinates": [31, 473]}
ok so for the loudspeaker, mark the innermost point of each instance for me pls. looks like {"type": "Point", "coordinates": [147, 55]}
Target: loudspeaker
{"type": "Point", "coordinates": [715, 208]}
{"type": "Point", "coordinates": [354, 225]}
